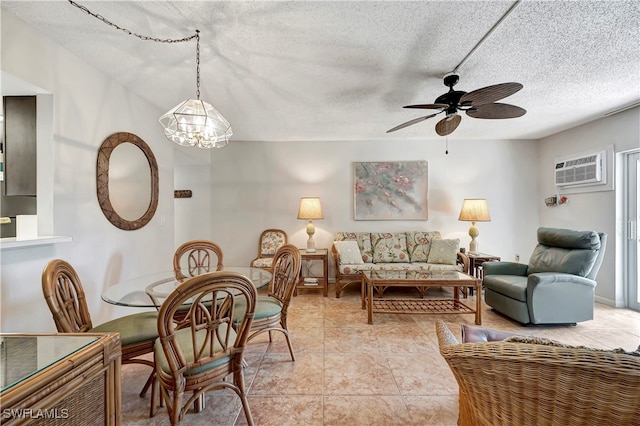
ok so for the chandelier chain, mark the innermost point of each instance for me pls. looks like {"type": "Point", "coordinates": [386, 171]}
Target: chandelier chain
{"type": "Point", "coordinates": [197, 64]}
{"type": "Point", "coordinates": [184, 123]}
{"type": "Point", "coordinates": [141, 37]}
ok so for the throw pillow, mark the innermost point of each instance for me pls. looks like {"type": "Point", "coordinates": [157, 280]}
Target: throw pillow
{"type": "Point", "coordinates": [474, 334]}
{"type": "Point", "coordinates": [533, 340]}
{"type": "Point", "coordinates": [419, 244]}
{"type": "Point", "coordinates": [349, 252]}
{"type": "Point", "coordinates": [364, 243]}
{"type": "Point", "coordinates": [444, 252]}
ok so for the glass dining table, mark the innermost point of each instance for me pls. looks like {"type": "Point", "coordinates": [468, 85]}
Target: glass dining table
{"type": "Point", "coordinates": [149, 291]}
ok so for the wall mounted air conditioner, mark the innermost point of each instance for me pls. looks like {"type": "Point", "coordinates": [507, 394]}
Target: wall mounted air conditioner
{"type": "Point", "coordinates": [580, 170]}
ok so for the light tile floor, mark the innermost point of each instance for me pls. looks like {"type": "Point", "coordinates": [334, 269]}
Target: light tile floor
{"type": "Point", "coordinates": [348, 372]}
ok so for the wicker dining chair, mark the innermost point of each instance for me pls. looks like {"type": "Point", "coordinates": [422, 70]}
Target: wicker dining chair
{"type": "Point", "coordinates": [196, 352]}
{"type": "Point", "coordinates": [196, 257]}
{"type": "Point", "coordinates": [535, 381]}
{"type": "Point", "coordinates": [269, 242]}
{"type": "Point", "coordinates": [271, 310]}
{"type": "Point", "coordinates": [65, 297]}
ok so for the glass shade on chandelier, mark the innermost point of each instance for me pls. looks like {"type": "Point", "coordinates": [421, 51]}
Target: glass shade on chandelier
{"type": "Point", "coordinates": [196, 123]}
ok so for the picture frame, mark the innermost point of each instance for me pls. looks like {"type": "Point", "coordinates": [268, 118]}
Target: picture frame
{"type": "Point", "coordinates": [390, 190]}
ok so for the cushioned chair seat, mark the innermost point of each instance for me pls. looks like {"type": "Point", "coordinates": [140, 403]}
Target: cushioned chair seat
{"type": "Point", "coordinates": [132, 328]}
{"type": "Point", "coordinates": [512, 286]}
{"type": "Point", "coordinates": [183, 337]}
{"type": "Point", "coordinates": [263, 262]}
{"type": "Point", "coordinates": [266, 307]}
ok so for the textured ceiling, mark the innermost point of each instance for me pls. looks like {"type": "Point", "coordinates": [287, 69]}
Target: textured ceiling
{"type": "Point", "coordinates": [337, 70]}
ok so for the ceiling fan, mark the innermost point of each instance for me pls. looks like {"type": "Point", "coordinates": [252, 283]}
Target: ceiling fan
{"type": "Point", "coordinates": [479, 103]}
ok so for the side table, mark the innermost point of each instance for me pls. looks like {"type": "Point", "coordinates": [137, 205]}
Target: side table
{"type": "Point", "coordinates": [475, 264]}
{"type": "Point", "coordinates": [315, 283]}
{"type": "Point", "coordinates": [54, 379]}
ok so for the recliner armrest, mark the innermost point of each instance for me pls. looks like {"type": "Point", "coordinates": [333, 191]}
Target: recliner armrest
{"type": "Point", "coordinates": [504, 268]}
{"type": "Point", "coordinates": [555, 278]}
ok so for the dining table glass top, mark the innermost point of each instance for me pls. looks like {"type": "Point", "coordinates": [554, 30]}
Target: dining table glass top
{"type": "Point", "coordinates": [149, 291]}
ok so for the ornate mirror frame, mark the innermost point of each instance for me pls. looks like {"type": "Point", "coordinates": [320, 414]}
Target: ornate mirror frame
{"type": "Point", "coordinates": [102, 180]}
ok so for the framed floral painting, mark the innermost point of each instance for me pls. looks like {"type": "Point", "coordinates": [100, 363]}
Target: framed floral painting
{"type": "Point", "coordinates": [393, 190]}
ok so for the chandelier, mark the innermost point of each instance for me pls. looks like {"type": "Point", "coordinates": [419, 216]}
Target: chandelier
{"type": "Point", "coordinates": [195, 122]}
{"type": "Point", "coordinates": [192, 122]}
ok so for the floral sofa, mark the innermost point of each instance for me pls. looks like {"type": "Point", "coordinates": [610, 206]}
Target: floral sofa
{"type": "Point", "coordinates": [354, 252]}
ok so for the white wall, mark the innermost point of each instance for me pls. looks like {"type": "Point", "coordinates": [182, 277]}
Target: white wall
{"type": "Point", "coordinates": [192, 215]}
{"type": "Point", "coordinates": [590, 210]}
{"type": "Point", "coordinates": [87, 108]}
{"type": "Point", "coordinates": [257, 185]}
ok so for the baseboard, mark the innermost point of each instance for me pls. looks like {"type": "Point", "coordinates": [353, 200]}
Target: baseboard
{"type": "Point", "coordinates": [608, 302]}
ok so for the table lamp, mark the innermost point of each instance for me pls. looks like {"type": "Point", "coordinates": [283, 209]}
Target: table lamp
{"type": "Point", "coordinates": [474, 210]}
{"type": "Point", "coordinates": [310, 209]}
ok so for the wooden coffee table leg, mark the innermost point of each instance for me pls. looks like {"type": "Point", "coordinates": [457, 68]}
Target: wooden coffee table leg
{"type": "Point", "coordinates": [369, 301]}
{"type": "Point", "coordinates": [363, 289]}
{"type": "Point", "coordinates": [478, 302]}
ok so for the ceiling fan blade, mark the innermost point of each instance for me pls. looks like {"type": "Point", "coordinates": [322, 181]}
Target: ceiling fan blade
{"type": "Point", "coordinates": [448, 124]}
{"type": "Point", "coordinates": [496, 111]}
{"type": "Point", "coordinates": [489, 94]}
{"type": "Point", "coordinates": [411, 122]}
{"type": "Point", "coordinates": [428, 106]}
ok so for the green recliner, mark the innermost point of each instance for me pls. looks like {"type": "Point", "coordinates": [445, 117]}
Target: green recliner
{"type": "Point", "coordinates": [556, 287]}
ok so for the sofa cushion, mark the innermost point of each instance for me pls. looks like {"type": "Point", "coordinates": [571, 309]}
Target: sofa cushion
{"type": "Point", "coordinates": [558, 259]}
{"type": "Point", "coordinates": [364, 243]}
{"type": "Point", "coordinates": [419, 244]}
{"type": "Point", "coordinates": [357, 268]}
{"type": "Point", "coordinates": [349, 252]}
{"type": "Point", "coordinates": [513, 286]}
{"type": "Point", "coordinates": [444, 251]}
{"type": "Point", "coordinates": [389, 248]}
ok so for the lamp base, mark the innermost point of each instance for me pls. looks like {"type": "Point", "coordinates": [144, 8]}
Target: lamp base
{"type": "Point", "coordinates": [473, 233]}
{"type": "Point", "coordinates": [473, 246]}
{"type": "Point", "coordinates": [311, 245]}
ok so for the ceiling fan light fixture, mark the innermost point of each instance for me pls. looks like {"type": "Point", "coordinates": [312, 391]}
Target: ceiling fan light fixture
{"type": "Point", "coordinates": [196, 123]}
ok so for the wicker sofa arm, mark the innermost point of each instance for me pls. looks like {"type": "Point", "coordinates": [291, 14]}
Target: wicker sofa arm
{"type": "Point", "coordinates": [463, 260]}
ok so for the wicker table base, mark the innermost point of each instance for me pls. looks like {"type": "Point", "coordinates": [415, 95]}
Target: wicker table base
{"type": "Point", "coordinates": [422, 280]}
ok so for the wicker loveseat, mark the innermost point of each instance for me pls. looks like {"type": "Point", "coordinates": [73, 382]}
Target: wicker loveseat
{"type": "Point", "coordinates": [354, 252]}
{"type": "Point", "coordinates": [541, 383]}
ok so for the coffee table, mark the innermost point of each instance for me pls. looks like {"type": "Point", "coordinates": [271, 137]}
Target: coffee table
{"type": "Point", "coordinates": [422, 280]}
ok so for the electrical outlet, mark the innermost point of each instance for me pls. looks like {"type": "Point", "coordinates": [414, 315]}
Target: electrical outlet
{"type": "Point", "coordinates": [517, 258]}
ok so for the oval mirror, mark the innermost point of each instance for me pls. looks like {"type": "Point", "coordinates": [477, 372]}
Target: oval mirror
{"type": "Point", "coordinates": [127, 181]}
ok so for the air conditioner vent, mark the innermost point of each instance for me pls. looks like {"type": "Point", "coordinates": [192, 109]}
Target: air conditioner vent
{"type": "Point", "coordinates": [582, 170]}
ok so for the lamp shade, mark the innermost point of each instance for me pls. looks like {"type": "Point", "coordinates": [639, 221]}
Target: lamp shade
{"type": "Point", "coordinates": [310, 208]}
{"type": "Point", "coordinates": [474, 210]}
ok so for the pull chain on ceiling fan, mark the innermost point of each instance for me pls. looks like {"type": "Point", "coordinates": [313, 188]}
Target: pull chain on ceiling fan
{"type": "Point", "coordinates": [479, 103]}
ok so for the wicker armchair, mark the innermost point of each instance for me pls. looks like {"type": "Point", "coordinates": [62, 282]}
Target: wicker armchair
{"type": "Point", "coordinates": [270, 241]}
{"type": "Point", "coordinates": [513, 383]}
{"type": "Point", "coordinates": [196, 257]}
